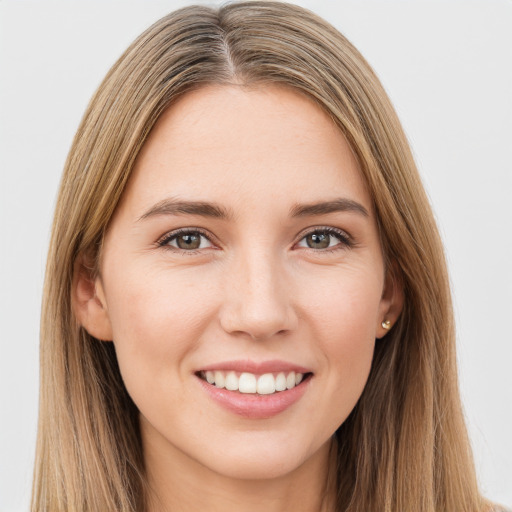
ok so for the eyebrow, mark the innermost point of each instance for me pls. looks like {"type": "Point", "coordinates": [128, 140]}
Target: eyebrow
{"type": "Point", "coordinates": [172, 206]}
{"type": "Point", "coordinates": [325, 207]}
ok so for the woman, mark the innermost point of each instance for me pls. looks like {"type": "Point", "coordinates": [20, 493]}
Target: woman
{"type": "Point", "coordinates": [246, 301]}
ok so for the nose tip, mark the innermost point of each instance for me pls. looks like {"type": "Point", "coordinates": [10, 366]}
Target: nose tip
{"type": "Point", "coordinates": [255, 325]}
{"type": "Point", "coordinates": [258, 304]}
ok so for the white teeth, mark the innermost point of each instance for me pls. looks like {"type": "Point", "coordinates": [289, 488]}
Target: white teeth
{"type": "Point", "coordinates": [281, 382]}
{"type": "Point", "coordinates": [219, 379]}
{"type": "Point", "coordinates": [231, 382]}
{"type": "Point", "coordinates": [247, 383]}
{"type": "Point", "coordinates": [290, 380]}
{"type": "Point", "coordinates": [265, 384]}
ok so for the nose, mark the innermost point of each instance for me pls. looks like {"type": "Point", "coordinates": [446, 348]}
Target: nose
{"type": "Point", "coordinates": [257, 301]}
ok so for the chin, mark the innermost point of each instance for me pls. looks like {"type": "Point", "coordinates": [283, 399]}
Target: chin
{"type": "Point", "coordinates": [258, 460]}
{"type": "Point", "coordinates": [257, 467]}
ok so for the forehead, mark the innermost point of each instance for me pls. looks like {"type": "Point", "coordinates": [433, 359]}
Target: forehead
{"type": "Point", "coordinates": [246, 145]}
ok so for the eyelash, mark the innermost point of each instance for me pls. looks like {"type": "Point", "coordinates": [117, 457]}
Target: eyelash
{"type": "Point", "coordinates": [164, 241]}
{"type": "Point", "coordinates": [344, 239]}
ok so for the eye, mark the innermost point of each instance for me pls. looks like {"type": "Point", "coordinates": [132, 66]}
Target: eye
{"type": "Point", "coordinates": [325, 238]}
{"type": "Point", "coordinates": [186, 240]}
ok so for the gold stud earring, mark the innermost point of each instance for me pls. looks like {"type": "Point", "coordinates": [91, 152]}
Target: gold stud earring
{"type": "Point", "coordinates": [386, 324]}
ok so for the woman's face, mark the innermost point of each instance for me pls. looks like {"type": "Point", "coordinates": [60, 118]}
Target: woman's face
{"type": "Point", "coordinates": [244, 246]}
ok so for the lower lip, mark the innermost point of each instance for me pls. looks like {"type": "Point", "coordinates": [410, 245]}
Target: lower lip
{"type": "Point", "coordinates": [253, 406]}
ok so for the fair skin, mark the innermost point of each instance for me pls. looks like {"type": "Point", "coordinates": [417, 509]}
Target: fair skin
{"type": "Point", "coordinates": [257, 284]}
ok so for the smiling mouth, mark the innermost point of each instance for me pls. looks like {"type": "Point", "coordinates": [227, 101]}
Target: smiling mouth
{"type": "Point", "coordinates": [250, 383]}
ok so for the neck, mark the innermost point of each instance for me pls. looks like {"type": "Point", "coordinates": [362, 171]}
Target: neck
{"type": "Point", "coordinates": [179, 483]}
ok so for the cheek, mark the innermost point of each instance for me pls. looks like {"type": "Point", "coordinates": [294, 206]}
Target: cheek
{"type": "Point", "coordinates": [344, 307]}
{"type": "Point", "coordinates": [342, 320]}
{"type": "Point", "coordinates": [156, 321]}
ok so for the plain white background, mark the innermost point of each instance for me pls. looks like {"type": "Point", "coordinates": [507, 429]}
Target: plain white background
{"type": "Point", "coordinates": [447, 66]}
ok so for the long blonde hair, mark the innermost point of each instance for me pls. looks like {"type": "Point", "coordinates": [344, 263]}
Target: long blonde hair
{"type": "Point", "coordinates": [404, 447]}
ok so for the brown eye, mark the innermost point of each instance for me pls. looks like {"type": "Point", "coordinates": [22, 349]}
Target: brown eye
{"type": "Point", "coordinates": [318, 240]}
{"type": "Point", "coordinates": [186, 241]}
{"type": "Point", "coordinates": [325, 239]}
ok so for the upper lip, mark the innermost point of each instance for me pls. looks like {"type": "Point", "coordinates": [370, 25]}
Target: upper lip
{"type": "Point", "coordinates": [256, 367]}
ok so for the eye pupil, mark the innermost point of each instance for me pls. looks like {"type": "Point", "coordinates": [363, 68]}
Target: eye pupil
{"type": "Point", "coordinates": [318, 240]}
{"type": "Point", "coordinates": [188, 241]}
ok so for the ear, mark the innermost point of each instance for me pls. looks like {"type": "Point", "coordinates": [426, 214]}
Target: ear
{"type": "Point", "coordinates": [392, 301]}
{"type": "Point", "coordinates": [88, 301]}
